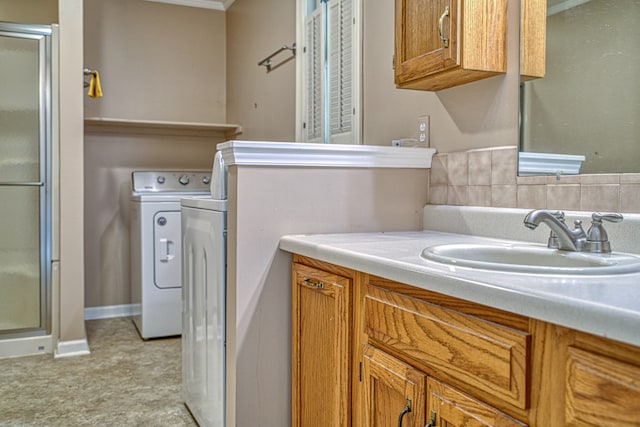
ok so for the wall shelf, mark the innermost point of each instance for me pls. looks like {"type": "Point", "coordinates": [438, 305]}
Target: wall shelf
{"type": "Point", "coordinates": [160, 127]}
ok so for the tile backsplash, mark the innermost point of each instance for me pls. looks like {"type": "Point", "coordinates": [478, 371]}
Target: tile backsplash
{"type": "Point", "coordinates": [488, 177]}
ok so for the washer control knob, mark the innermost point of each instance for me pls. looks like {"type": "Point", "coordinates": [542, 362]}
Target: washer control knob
{"type": "Point", "coordinates": [206, 179]}
{"type": "Point", "coordinates": [162, 220]}
{"type": "Point", "coordinates": [184, 179]}
{"type": "Point", "coordinates": [160, 179]}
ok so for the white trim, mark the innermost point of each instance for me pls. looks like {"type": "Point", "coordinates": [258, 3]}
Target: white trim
{"type": "Point", "coordinates": [110, 311]}
{"type": "Point", "coordinates": [565, 5]}
{"type": "Point", "coordinates": [549, 164]}
{"type": "Point", "coordinates": [27, 346]}
{"type": "Point", "coordinates": [254, 153]}
{"type": "Point", "coordinates": [72, 348]}
{"type": "Point", "coordinates": [204, 4]}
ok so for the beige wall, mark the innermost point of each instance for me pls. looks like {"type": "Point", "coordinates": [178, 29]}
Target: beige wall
{"type": "Point", "coordinates": [481, 114]}
{"type": "Point", "coordinates": [475, 115]}
{"type": "Point", "coordinates": [109, 160]}
{"type": "Point", "coordinates": [71, 174]}
{"type": "Point", "coordinates": [263, 103]}
{"type": "Point", "coordinates": [264, 204]}
{"type": "Point", "coordinates": [156, 61]}
{"type": "Point", "coordinates": [29, 11]}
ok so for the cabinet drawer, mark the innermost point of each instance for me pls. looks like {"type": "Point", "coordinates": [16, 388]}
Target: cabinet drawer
{"type": "Point", "coordinates": [601, 391]}
{"type": "Point", "coordinates": [490, 357]}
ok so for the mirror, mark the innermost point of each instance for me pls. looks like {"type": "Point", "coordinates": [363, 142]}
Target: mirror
{"type": "Point", "coordinates": [587, 103]}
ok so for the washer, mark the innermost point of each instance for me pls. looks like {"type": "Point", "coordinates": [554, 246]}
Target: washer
{"type": "Point", "coordinates": [204, 293]}
{"type": "Point", "coordinates": [156, 250]}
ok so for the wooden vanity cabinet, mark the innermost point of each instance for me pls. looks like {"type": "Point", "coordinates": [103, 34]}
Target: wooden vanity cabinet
{"type": "Point", "coordinates": [368, 350]}
{"type": "Point", "coordinates": [445, 43]}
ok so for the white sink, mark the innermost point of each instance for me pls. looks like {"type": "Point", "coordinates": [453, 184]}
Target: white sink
{"type": "Point", "coordinates": [525, 258]}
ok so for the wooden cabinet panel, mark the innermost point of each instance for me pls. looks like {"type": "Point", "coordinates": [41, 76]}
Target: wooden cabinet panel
{"type": "Point", "coordinates": [601, 391]}
{"type": "Point", "coordinates": [392, 390]}
{"type": "Point", "coordinates": [490, 357]}
{"type": "Point", "coordinates": [451, 408]}
{"type": "Point", "coordinates": [445, 43]}
{"type": "Point", "coordinates": [321, 355]}
{"type": "Point", "coordinates": [533, 37]}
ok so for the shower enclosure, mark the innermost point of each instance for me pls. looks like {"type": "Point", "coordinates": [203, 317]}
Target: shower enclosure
{"type": "Point", "coordinates": [25, 180]}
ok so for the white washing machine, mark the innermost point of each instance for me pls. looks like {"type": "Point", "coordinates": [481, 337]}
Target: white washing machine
{"type": "Point", "coordinates": [204, 301]}
{"type": "Point", "coordinates": [156, 251]}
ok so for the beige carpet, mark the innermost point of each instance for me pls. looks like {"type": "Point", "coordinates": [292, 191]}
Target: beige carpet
{"type": "Point", "coordinates": [124, 382]}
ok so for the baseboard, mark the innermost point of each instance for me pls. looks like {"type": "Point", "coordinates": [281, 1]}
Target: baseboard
{"type": "Point", "coordinates": [110, 311]}
{"type": "Point", "coordinates": [28, 346]}
{"type": "Point", "coordinates": [72, 348]}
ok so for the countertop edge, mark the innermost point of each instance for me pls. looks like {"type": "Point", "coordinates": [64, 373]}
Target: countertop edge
{"type": "Point", "coordinates": [592, 316]}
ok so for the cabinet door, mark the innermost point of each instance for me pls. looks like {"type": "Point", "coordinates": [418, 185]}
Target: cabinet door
{"type": "Point", "coordinates": [601, 391]}
{"type": "Point", "coordinates": [394, 392]}
{"type": "Point", "coordinates": [447, 407]}
{"type": "Point", "coordinates": [425, 38]}
{"type": "Point", "coordinates": [321, 337]}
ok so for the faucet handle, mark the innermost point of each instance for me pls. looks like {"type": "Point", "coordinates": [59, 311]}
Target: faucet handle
{"type": "Point", "coordinates": [597, 238]}
{"type": "Point", "coordinates": [611, 217]}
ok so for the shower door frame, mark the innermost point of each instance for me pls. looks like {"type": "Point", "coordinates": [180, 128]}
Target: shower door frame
{"type": "Point", "coordinates": [43, 35]}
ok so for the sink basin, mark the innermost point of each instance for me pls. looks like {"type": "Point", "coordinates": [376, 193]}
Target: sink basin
{"type": "Point", "coordinates": [524, 258]}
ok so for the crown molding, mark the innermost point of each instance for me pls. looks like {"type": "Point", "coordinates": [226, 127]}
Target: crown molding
{"type": "Point", "coordinates": [203, 4]}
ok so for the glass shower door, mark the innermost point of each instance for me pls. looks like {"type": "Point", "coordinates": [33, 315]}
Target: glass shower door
{"type": "Point", "coordinates": [24, 142]}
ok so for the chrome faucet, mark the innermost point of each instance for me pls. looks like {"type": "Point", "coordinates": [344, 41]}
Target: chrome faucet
{"type": "Point", "coordinates": [564, 238]}
{"type": "Point", "coordinates": [567, 239]}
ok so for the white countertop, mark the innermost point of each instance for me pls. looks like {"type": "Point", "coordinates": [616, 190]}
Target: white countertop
{"type": "Point", "coordinates": [606, 305]}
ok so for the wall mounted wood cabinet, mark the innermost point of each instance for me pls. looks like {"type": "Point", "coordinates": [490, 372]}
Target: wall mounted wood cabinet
{"type": "Point", "coordinates": [533, 39]}
{"type": "Point", "coordinates": [445, 43]}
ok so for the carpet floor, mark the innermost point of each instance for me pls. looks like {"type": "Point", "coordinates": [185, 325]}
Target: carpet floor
{"type": "Point", "coordinates": [125, 381]}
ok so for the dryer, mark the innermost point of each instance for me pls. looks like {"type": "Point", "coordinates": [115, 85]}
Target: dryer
{"type": "Point", "coordinates": [204, 301]}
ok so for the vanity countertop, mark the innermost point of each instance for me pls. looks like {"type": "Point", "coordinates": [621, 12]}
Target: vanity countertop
{"type": "Point", "coordinates": [604, 305]}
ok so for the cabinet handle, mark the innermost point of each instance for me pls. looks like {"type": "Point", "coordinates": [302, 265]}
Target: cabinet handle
{"type": "Point", "coordinates": [444, 39]}
{"type": "Point", "coordinates": [432, 420]}
{"type": "Point", "coordinates": [405, 410]}
{"type": "Point", "coordinates": [314, 284]}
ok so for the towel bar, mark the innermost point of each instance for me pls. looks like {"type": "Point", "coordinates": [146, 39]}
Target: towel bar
{"type": "Point", "coordinates": [87, 72]}
{"type": "Point", "coordinates": [267, 61]}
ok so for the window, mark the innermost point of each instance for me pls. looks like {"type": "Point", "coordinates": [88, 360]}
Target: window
{"type": "Point", "coordinates": [329, 79]}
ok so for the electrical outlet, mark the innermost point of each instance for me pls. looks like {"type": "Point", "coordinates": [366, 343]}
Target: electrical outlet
{"type": "Point", "coordinates": [423, 130]}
